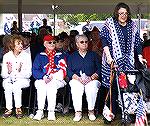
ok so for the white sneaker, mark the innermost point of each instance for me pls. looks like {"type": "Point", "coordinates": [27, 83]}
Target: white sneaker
{"type": "Point", "coordinates": [51, 116]}
{"type": "Point", "coordinates": [92, 117]}
{"type": "Point", "coordinates": [39, 115]}
{"type": "Point", "coordinates": [78, 116]}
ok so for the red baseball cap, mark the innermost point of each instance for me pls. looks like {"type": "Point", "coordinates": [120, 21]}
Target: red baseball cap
{"type": "Point", "coordinates": [48, 38]}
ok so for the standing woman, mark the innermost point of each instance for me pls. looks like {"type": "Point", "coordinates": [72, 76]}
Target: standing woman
{"type": "Point", "coordinates": [121, 42]}
{"type": "Point", "coordinates": [14, 29]}
{"type": "Point", "coordinates": [16, 71]}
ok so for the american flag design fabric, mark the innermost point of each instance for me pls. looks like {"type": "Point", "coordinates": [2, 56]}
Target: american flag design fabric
{"type": "Point", "coordinates": [130, 102]}
{"type": "Point", "coordinates": [141, 117]}
{"type": "Point", "coordinates": [56, 63]}
{"type": "Point", "coordinates": [124, 57]}
{"type": "Point", "coordinates": [62, 65]}
{"type": "Point", "coordinates": [51, 66]}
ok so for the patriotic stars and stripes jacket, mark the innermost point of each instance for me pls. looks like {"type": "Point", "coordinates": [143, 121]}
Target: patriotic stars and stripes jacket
{"type": "Point", "coordinates": [55, 67]}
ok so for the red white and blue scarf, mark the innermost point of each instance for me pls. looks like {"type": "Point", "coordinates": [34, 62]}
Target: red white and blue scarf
{"type": "Point", "coordinates": [121, 53]}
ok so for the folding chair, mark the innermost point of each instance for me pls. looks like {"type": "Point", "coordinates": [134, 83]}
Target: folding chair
{"type": "Point", "coordinates": [2, 101]}
{"type": "Point", "coordinates": [26, 98]}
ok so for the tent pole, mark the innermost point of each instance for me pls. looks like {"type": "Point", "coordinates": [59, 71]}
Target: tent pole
{"type": "Point", "coordinates": [139, 17]}
{"type": "Point", "coordinates": [20, 15]}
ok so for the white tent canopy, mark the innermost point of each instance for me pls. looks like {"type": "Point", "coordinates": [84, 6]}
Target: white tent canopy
{"type": "Point", "coordinates": [68, 7]}
{"type": "Point", "coordinates": [72, 6]}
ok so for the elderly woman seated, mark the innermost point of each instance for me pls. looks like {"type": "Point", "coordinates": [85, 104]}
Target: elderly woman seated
{"type": "Point", "coordinates": [49, 70]}
{"type": "Point", "coordinates": [83, 71]}
{"type": "Point", "coordinates": [16, 71]}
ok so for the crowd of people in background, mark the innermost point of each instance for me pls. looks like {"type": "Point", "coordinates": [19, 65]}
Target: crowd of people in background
{"type": "Point", "coordinates": [80, 61]}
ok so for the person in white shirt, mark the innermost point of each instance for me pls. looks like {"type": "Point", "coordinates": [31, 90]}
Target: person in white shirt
{"type": "Point", "coordinates": [16, 71]}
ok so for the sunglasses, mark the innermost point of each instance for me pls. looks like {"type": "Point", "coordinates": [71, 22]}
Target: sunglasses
{"type": "Point", "coordinates": [54, 42]}
{"type": "Point", "coordinates": [83, 42]}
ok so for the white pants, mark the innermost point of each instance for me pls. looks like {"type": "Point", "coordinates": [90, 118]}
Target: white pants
{"type": "Point", "coordinates": [14, 88]}
{"type": "Point", "coordinates": [49, 90]}
{"type": "Point", "coordinates": [77, 90]}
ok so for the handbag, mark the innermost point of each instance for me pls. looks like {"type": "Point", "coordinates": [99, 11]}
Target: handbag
{"type": "Point", "coordinates": [123, 80]}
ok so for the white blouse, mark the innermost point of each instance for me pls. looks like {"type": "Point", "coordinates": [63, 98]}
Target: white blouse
{"type": "Point", "coordinates": [23, 58]}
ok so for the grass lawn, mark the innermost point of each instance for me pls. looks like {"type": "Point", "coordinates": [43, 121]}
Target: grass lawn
{"type": "Point", "coordinates": [61, 120]}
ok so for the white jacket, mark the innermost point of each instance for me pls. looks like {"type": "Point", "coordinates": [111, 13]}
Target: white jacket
{"type": "Point", "coordinates": [23, 58]}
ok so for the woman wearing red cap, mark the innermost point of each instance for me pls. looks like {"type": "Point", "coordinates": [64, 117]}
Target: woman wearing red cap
{"type": "Point", "coordinates": [49, 70]}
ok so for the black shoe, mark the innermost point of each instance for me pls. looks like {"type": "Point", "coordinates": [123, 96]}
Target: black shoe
{"type": "Point", "coordinates": [132, 118]}
{"type": "Point", "coordinates": [66, 110]}
{"type": "Point", "coordinates": [106, 121]}
{"type": "Point", "coordinates": [19, 114]}
{"type": "Point", "coordinates": [7, 113]}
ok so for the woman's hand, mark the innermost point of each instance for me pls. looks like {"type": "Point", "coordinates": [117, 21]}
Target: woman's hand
{"type": "Point", "coordinates": [108, 56]}
{"type": "Point", "coordinates": [47, 78]}
{"type": "Point", "coordinates": [141, 59]}
{"type": "Point", "coordinates": [109, 59]}
{"type": "Point", "coordinates": [9, 67]}
{"type": "Point", "coordinates": [86, 80]}
{"type": "Point", "coordinates": [20, 66]}
{"type": "Point", "coordinates": [94, 76]}
{"type": "Point", "coordinates": [76, 77]}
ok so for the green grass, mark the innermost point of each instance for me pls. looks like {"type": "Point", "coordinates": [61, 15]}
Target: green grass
{"type": "Point", "coordinates": [61, 120]}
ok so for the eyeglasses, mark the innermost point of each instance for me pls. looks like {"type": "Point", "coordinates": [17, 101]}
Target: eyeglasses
{"type": "Point", "coordinates": [123, 14]}
{"type": "Point", "coordinates": [60, 41]}
{"type": "Point", "coordinates": [53, 42]}
{"type": "Point", "coordinates": [83, 42]}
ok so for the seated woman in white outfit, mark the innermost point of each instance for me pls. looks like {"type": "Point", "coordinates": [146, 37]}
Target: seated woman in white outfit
{"type": "Point", "coordinates": [49, 70]}
{"type": "Point", "coordinates": [83, 68]}
{"type": "Point", "coordinates": [16, 71]}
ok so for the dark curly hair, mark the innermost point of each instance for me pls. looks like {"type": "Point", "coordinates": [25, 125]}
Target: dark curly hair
{"type": "Point", "coordinates": [122, 5]}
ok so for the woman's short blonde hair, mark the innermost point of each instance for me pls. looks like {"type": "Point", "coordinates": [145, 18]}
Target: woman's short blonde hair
{"type": "Point", "coordinates": [13, 39]}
